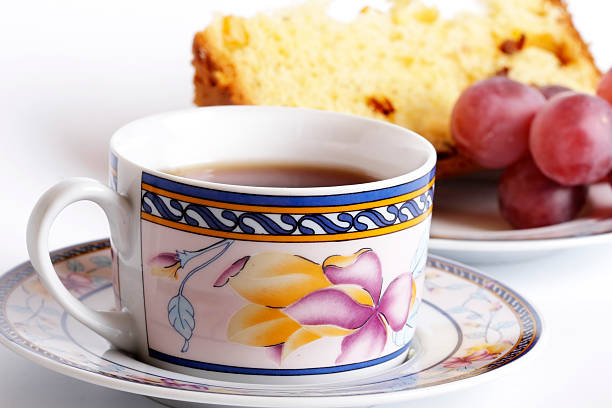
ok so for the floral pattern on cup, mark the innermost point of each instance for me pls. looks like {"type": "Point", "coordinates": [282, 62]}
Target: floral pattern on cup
{"type": "Point", "coordinates": [290, 298]}
{"type": "Point", "coordinates": [304, 301]}
{"type": "Point", "coordinates": [165, 264]}
{"type": "Point", "coordinates": [181, 313]}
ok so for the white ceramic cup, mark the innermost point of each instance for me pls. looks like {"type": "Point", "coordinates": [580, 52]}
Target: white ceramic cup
{"type": "Point", "coordinates": [252, 282]}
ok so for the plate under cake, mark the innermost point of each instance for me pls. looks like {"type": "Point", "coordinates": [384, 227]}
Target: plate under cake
{"type": "Point", "coordinates": [467, 224]}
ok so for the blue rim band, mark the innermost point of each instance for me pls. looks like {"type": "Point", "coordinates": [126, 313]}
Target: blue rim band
{"type": "Point", "coordinates": [287, 201]}
{"type": "Point", "coordinates": [275, 372]}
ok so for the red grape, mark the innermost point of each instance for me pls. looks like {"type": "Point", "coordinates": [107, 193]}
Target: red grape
{"type": "Point", "coordinates": [528, 199]}
{"type": "Point", "coordinates": [571, 139]}
{"type": "Point", "coordinates": [604, 89]}
{"type": "Point", "coordinates": [551, 90]}
{"type": "Point", "coordinates": [490, 121]}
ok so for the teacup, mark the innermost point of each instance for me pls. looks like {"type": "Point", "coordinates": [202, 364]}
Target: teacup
{"type": "Point", "coordinates": [256, 283]}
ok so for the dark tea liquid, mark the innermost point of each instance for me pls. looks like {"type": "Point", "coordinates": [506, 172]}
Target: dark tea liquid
{"type": "Point", "coordinates": [268, 174]}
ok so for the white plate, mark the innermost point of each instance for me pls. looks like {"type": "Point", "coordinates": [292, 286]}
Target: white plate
{"type": "Point", "coordinates": [470, 328]}
{"type": "Point", "coordinates": [467, 225]}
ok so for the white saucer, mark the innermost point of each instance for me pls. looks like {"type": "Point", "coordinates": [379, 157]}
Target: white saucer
{"type": "Point", "coordinates": [470, 328]}
{"type": "Point", "coordinates": [467, 225]}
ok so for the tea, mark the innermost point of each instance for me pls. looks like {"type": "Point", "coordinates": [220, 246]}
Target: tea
{"type": "Point", "coordinates": [271, 174]}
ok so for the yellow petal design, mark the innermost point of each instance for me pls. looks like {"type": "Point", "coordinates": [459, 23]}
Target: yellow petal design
{"type": "Point", "coordinates": [358, 293]}
{"type": "Point", "coordinates": [328, 330]}
{"type": "Point", "coordinates": [413, 298]}
{"type": "Point", "coordinates": [260, 326]}
{"type": "Point", "coordinates": [34, 285]}
{"type": "Point", "coordinates": [298, 339]}
{"type": "Point", "coordinates": [277, 279]}
{"type": "Point", "coordinates": [491, 348]}
{"type": "Point", "coordinates": [343, 261]}
{"type": "Point", "coordinates": [170, 272]}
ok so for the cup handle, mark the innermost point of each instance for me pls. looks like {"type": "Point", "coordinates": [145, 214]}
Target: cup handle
{"type": "Point", "coordinates": [116, 327]}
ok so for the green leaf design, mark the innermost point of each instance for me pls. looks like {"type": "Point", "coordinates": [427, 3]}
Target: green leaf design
{"type": "Point", "coordinates": [75, 266]}
{"type": "Point", "coordinates": [181, 317]}
{"type": "Point", "coordinates": [476, 335]}
{"type": "Point", "coordinates": [101, 261]}
{"type": "Point", "coordinates": [503, 325]}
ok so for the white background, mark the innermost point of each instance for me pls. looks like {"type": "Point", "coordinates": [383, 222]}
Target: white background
{"type": "Point", "coordinates": [71, 72]}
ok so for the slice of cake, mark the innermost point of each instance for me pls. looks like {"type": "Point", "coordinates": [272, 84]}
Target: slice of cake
{"type": "Point", "coordinates": [406, 66]}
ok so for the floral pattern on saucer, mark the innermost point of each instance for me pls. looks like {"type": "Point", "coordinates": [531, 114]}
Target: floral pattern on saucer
{"type": "Point", "coordinates": [493, 326]}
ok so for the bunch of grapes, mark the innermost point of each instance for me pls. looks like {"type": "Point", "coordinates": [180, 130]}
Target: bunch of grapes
{"type": "Point", "coordinates": [553, 143]}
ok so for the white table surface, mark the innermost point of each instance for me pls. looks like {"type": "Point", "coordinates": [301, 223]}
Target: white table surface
{"type": "Point", "coordinates": [71, 72]}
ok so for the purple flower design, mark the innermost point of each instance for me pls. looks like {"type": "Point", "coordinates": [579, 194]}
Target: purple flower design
{"type": "Point", "coordinates": [335, 306]}
{"type": "Point", "coordinates": [165, 264]}
{"type": "Point", "coordinates": [77, 282]}
{"type": "Point", "coordinates": [466, 361]}
{"type": "Point", "coordinates": [233, 270]}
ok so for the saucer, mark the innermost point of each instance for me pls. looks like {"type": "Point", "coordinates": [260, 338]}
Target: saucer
{"type": "Point", "coordinates": [468, 226]}
{"type": "Point", "coordinates": [470, 329]}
